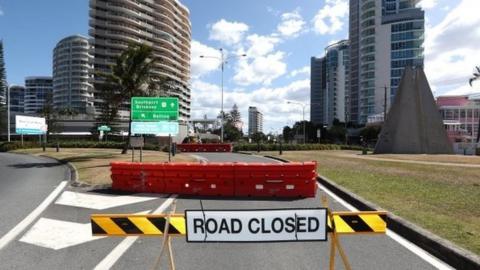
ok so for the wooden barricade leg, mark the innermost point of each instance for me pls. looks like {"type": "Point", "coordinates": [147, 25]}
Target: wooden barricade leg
{"type": "Point", "coordinates": [335, 243]}
{"type": "Point", "coordinates": [167, 242]}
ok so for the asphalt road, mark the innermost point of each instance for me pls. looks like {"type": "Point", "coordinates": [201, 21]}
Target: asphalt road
{"type": "Point", "coordinates": [25, 181]}
{"type": "Point", "coordinates": [59, 238]}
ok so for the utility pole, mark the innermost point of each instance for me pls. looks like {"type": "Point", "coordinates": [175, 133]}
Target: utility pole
{"type": "Point", "coordinates": [8, 112]}
{"type": "Point", "coordinates": [385, 106]}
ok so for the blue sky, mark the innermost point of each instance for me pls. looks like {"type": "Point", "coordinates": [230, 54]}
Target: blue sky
{"type": "Point", "coordinates": [279, 38]}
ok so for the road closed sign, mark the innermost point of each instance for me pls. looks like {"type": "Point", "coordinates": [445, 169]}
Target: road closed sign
{"type": "Point", "coordinates": [286, 225]}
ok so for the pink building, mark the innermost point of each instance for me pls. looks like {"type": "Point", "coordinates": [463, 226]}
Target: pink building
{"type": "Point", "coordinates": [461, 116]}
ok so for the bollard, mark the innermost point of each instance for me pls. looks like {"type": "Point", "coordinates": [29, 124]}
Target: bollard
{"type": "Point", "coordinates": [174, 149]}
{"type": "Point", "coordinates": [280, 150]}
{"type": "Point", "coordinates": [43, 146]}
{"type": "Point", "coordinates": [258, 147]}
{"type": "Point", "coordinates": [58, 147]}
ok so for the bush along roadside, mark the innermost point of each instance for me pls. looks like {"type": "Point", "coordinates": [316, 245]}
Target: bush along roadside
{"type": "Point", "coordinates": [294, 147]}
{"type": "Point", "coordinates": [11, 146]}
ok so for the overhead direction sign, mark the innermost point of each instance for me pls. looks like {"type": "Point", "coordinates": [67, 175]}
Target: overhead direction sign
{"type": "Point", "coordinates": [161, 128]}
{"type": "Point", "coordinates": [28, 125]}
{"type": "Point", "coordinates": [265, 225]}
{"type": "Point", "coordinates": [154, 109]}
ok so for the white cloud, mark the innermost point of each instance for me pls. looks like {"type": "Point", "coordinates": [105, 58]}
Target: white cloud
{"type": "Point", "coordinates": [273, 11]}
{"type": "Point", "coordinates": [261, 69]}
{"type": "Point", "coordinates": [228, 33]}
{"type": "Point", "coordinates": [272, 102]}
{"type": "Point", "coordinates": [427, 4]}
{"type": "Point", "coordinates": [292, 24]}
{"type": "Point", "coordinates": [260, 45]}
{"type": "Point", "coordinates": [202, 66]}
{"type": "Point", "coordinates": [304, 70]}
{"type": "Point", "coordinates": [451, 49]}
{"type": "Point", "coordinates": [331, 18]}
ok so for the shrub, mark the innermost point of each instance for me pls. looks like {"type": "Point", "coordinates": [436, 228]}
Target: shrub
{"type": "Point", "coordinates": [294, 147]}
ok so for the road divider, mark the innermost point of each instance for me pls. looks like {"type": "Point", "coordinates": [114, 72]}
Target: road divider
{"type": "Point", "coordinates": [205, 147]}
{"type": "Point", "coordinates": [287, 180]}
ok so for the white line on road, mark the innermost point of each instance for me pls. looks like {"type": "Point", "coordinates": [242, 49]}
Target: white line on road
{"type": "Point", "coordinates": [7, 238]}
{"type": "Point", "coordinates": [402, 241]}
{"type": "Point", "coordinates": [121, 248]}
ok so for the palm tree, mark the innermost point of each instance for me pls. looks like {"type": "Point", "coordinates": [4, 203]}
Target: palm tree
{"type": "Point", "coordinates": [476, 76]}
{"type": "Point", "coordinates": [131, 76]}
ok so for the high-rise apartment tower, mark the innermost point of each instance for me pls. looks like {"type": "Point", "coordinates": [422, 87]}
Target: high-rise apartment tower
{"type": "Point", "coordinates": [162, 24]}
{"type": "Point", "coordinates": [385, 37]}
{"type": "Point", "coordinates": [72, 74]}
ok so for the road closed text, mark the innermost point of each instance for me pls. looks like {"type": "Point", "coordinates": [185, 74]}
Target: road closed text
{"type": "Point", "coordinates": [256, 225]}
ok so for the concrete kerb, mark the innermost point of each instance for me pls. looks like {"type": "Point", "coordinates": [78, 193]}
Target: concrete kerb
{"type": "Point", "coordinates": [74, 178]}
{"type": "Point", "coordinates": [444, 250]}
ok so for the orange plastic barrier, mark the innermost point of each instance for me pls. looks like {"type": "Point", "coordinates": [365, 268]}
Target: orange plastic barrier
{"type": "Point", "coordinates": [217, 179]}
{"type": "Point", "coordinates": [206, 147]}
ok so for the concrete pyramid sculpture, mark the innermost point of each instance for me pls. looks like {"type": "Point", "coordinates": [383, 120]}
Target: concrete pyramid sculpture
{"type": "Point", "coordinates": [414, 124]}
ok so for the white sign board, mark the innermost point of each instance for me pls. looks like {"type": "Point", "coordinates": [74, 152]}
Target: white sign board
{"type": "Point", "coordinates": [265, 225]}
{"type": "Point", "coordinates": [29, 125]}
{"type": "Point", "coordinates": [137, 142]}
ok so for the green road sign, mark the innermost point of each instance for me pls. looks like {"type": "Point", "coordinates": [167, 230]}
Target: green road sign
{"type": "Point", "coordinates": [155, 128]}
{"type": "Point", "coordinates": [154, 109]}
{"type": "Point", "coordinates": [104, 128]}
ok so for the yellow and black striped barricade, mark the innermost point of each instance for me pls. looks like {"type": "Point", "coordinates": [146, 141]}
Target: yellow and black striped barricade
{"type": "Point", "coordinates": [138, 225]}
{"type": "Point", "coordinates": [174, 224]}
{"type": "Point", "coordinates": [365, 222]}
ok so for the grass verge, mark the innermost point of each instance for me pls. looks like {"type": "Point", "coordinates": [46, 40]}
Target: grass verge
{"type": "Point", "coordinates": [93, 165]}
{"type": "Point", "coordinates": [442, 199]}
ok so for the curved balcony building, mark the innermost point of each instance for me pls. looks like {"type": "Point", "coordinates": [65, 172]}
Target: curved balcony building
{"type": "Point", "coordinates": [72, 63]}
{"type": "Point", "coordinates": [162, 24]}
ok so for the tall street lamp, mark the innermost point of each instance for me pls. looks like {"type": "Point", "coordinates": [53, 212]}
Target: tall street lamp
{"type": "Point", "coordinates": [8, 112]}
{"type": "Point", "coordinates": [223, 61]}
{"type": "Point", "coordinates": [303, 113]}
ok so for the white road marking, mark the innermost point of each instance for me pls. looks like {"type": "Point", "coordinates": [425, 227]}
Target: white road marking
{"type": "Point", "coordinates": [98, 202]}
{"type": "Point", "coordinates": [402, 241]}
{"type": "Point", "coordinates": [57, 234]}
{"type": "Point", "coordinates": [199, 158]}
{"type": "Point", "coordinates": [7, 238]}
{"type": "Point", "coordinates": [121, 248]}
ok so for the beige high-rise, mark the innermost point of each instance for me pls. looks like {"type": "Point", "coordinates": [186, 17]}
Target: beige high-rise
{"type": "Point", "coordinates": [162, 24]}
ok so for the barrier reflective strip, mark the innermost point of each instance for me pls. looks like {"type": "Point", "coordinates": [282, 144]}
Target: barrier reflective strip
{"type": "Point", "coordinates": [359, 222]}
{"type": "Point", "coordinates": [107, 226]}
{"type": "Point", "coordinates": [144, 225]}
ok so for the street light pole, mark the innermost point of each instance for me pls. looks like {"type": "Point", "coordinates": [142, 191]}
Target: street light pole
{"type": "Point", "coordinates": [304, 124]}
{"type": "Point", "coordinates": [8, 113]}
{"type": "Point", "coordinates": [223, 61]}
{"type": "Point", "coordinates": [221, 112]}
{"type": "Point", "coordinates": [303, 117]}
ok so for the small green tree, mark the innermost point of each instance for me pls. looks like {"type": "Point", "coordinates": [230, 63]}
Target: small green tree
{"type": "Point", "coordinates": [287, 134]}
{"type": "Point", "coordinates": [50, 115]}
{"type": "Point", "coordinates": [258, 137]}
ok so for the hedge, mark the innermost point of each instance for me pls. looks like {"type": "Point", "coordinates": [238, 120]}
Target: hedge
{"type": "Point", "coordinates": [10, 146]}
{"type": "Point", "coordinates": [294, 147]}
